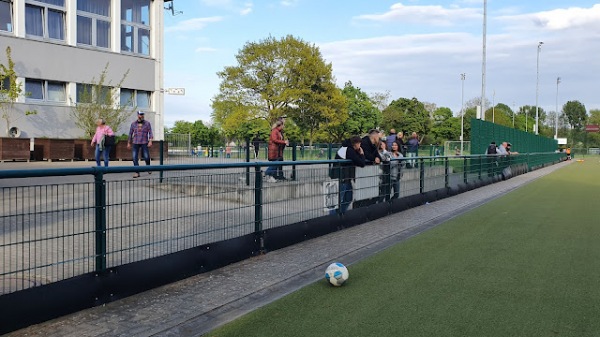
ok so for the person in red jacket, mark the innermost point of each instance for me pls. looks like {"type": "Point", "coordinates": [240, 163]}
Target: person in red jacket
{"type": "Point", "coordinates": [276, 146]}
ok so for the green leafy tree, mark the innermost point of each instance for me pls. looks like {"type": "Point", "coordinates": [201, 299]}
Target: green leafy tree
{"type": "Point", "coordinates": [101, 99]}
{"type": "Point", "coordinates": [275, 77]}
{"type": "Point", "coordinates": [10, 92]}
{"type": "Point", "coordinates": [363, 115]}
{"type": "Point", "coordinates": [381, 100]}
{"type": "Point", "coordinates": [445, 126]}
{"type": "Point", "coordinates": [594, 117]}
{"type": "Point", "coordinates": [408, 115]}
{"type": "Point", "coordinates": [576, 114]}
{"type": "Point", "coordinates": [500, 114]}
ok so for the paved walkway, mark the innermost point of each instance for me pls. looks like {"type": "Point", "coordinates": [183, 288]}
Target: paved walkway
{"type": "Point", "coordinates": [198, 304]}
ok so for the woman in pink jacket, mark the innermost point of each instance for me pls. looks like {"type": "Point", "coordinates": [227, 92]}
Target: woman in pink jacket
{"type": "Point", "coordinates": [102, 141]}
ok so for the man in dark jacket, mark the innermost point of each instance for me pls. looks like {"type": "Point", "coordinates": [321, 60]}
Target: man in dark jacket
{"type": "Point", "coordinates": [370, 146]}
{"type": "Point", "coordinates": [346, 172]}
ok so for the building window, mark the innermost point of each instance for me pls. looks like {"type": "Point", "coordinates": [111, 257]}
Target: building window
{"type": "Point", "coordinates": [140, 98]}
{"type": "Point", "coordinates": [49, 91]}
{"type": "Point", "coordinates": [5, 83]}
{"type": "Point", "coordinates": [135, 26]}
{"type": "Point", "coordinates": [56, 91]}
{"type": "Point", "coordinates": [6, 16]}
{"type": "Point", "coordinates": [45, 18]}
{"type": "Point", "coordinates": [89, 93]}
{"type": "Point", "coordinates": [93, 22]}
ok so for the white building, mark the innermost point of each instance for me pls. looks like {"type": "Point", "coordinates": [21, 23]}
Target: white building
{"type": "Point", "coordinates": [59, 45]}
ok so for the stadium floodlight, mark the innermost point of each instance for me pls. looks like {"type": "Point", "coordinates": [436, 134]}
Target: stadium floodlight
{"type": "Point", "coordinates": [537, 89]}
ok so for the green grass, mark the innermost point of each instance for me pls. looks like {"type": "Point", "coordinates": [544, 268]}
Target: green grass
{"type": "Point", "coordinates": [526, 264]}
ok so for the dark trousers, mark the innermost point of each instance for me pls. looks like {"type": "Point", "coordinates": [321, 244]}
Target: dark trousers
{"type": "Point", "coordinates": [136, 152]}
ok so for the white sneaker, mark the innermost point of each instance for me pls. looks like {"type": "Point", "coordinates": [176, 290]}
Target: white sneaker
{"type": "Point", "coordinates": [271, 179]}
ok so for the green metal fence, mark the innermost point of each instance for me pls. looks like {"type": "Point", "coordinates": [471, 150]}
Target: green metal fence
{"type": "Point", "coordinates": [63, 223]}
{"type": "Point", "coordinates": [483, 133]}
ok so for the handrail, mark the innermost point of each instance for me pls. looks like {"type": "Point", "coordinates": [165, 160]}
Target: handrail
{"type": "Point", "coordinates": [57, 172]}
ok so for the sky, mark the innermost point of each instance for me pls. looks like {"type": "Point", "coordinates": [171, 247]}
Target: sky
{"type": "Point", "coordinates": [412, 48]}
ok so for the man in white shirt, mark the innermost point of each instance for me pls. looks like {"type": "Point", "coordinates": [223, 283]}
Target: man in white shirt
{"type": "Point", "coordinates": [501, 150]}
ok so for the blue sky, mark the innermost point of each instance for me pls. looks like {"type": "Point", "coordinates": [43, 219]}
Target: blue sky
{"type": "Point", "coordinates": [413, 48]}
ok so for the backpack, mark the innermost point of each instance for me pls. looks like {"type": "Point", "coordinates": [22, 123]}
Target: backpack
{"type": "Point", "coordinates": [491, 149]}
{"type": "Point", "coordinates": [335, 169]}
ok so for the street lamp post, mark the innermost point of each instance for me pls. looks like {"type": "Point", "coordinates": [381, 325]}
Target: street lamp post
{"type": "Point", "coordinates": [556, 118]}
{"type": "Point", "coordinates": [526, 119]}
{"type": "Point", "coordinates": [537, 89]}
{"type": "Point", "coordinates": [463, 77]}
{"type": "Point", "coordinates": [483, 63]}
{"type": "Point", "coordinates": [494, 107]}
{"type": "Point", "coordinates": [513, 113]}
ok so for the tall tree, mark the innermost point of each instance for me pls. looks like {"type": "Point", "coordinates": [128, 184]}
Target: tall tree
{"type": "Point", "coordinates": [594, 117]}
{"type": "Point", "coordinates": [381, 100]}
{"type": "Point", "coordinates": [408, 115]}
{"type": "Point", "coordinates": [576, 114]}
{"type": "Point", "coordinates": [10, 91]}
{"type": "Point", "coordinates": [362, 112]}
{"type": "Point", "coordinates": [275, 77]}
{"type": "Point", "coordinates": [101, 99]}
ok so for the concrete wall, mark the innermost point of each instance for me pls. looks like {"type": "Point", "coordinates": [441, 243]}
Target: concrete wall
{"type": "Point", "coordinates": [55, 121]}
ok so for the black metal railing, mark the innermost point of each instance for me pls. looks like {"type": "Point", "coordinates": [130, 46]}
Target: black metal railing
{"type": "Point", "coordinates": [56, 224]}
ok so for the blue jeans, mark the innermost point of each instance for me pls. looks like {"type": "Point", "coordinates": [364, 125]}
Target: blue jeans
{"type": "Point", "coordinates": [106, 152]}
{"type": "Point", "coordinates": [275, 171]}
{"type": "Point", "coordinates": [145, 154]}
{"type": "Point", "coordinates": [396, 188]}
{"type": "Point", "coordinates": [345, 198]}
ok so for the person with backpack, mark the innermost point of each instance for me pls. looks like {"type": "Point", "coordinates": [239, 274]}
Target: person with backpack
{"type": "Point", "coordinates": [491, 151]}
{"type": "Point", "coordinates": [346, 172]}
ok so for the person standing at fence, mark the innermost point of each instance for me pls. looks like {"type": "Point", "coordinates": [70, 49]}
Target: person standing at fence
{"type": "Point", "coordinates": [370, 146]}
{"type": "Point", "coordinates": [140, 138]}
{"type": "Point", "coordinates": [396, 166]}
{"type": "Point", "coordinates": [501, 150]}
{"type": "Point", "coordinates": [413, 149]}
{"type": "Point", "coordinates": [346, 173]}
{"type": "Point", "coordinates": [401, 143]}
{"type": "Point", "coordinates": [256, 145]}
{"type": "Point", "coordinates": [275, 153]}
{"type": "Point", "coordinates": [104, 140]}
{"type": "Point", "coordinates": [385, 185]}
{"type": "Point", "coordinates": [391, 138]}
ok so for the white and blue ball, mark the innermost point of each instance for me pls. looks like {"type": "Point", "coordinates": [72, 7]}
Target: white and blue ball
{"type": "Point", "coordinates": [336, 274]}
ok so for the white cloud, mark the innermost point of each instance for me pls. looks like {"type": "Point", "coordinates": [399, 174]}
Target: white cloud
{"type": "Point", "coordinates": [205, 50]}
{"type": "Point", "coordinates": [427, 15]}
{"type": "Point", "coordinates": [231, 5]}
{"type": "Point", "coordinates": [247, 9]}
{"type": "Point", "coordinates": [558, 19]}
{"type": "Point", "coordinates": [193, 24]}
{"type": "Point", "coordinates": [427, 66]}
{"type": "Point", "coordinates": [289, 3]}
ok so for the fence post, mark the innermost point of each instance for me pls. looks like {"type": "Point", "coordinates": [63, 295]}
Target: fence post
{"type": "Point", "coordinates": [446, 172]}
{"type": "Point", "coordinates": [100, 220]}
{"type": "Point", "coordinates": [329, 148]}
{"type": "Point", "coordinates": [465, 173]}
{"type": "Point", "coordinates": [247, 161]}
{"type": "Point", "coordinates": [421, 176]}
{"type": "Point", "coordinates": [294, 158]}
{"type": "Point", "coordinates": [258, 207]}
{"type": "Point", "coordinates": [161, 158]}
{"type": "Point", "coordinates": [480, 166]}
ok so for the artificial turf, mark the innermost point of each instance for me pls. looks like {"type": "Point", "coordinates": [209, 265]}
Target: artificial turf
{"type": "Point", "coordinates": [525, 264]}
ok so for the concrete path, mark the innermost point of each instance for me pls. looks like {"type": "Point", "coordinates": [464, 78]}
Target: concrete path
{"type": "Point", "coordinates": [198, 304]}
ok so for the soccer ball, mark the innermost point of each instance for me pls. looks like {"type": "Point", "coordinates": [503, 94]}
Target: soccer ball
{"type": "Point", "coordinates": [336, 274]}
